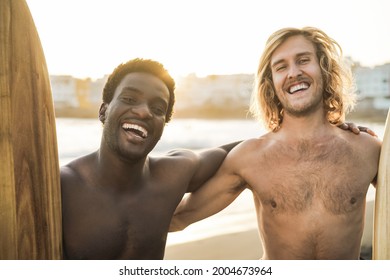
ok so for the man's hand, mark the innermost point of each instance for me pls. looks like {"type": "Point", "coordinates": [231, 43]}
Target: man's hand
{"type": "Point", "coordinates": [356, 129]}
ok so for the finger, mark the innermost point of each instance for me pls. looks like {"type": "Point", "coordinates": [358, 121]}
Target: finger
{"type": "Point", "coordinates": [367, 130]}
{"type": "Point", "coordinates": [371, 132]}
{"type": "Point", "coordinates": [355, 129]}
{"type": "Point", "coordinates": [344, 126]}
{"type": "Point", "coordinates": [353, 126]}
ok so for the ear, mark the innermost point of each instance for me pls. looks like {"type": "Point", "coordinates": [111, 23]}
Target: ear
{"type": "Point", "coordinates": [102, 112]}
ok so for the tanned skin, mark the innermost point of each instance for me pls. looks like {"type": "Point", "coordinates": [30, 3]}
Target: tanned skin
{"type": "Point", "coordinates": [118, 201]}
{"type": "Point", "coordinates": [309, 179]}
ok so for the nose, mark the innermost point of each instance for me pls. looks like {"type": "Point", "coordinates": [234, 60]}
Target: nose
{"type": "Point", "coordinates": [143, 111]}
{"type": "Point", "coordinates": [294, 71]}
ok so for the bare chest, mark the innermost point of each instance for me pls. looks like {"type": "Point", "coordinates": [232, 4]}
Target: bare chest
{"type": "Point", "coordinates": [99, 226]}
{"type": "Point", "coordinates": [315, 177]}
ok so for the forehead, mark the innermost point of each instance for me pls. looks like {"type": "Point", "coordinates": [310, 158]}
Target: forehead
{"type": "Point", "coordinates": [292, 47]}
{"type": "Point", "coordinates": [145, 83]}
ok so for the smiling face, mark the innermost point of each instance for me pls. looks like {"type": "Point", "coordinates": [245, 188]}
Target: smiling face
{"type": "Point", "coordinates": [297, 77]}
{"type": "Point", "coordinates": [134, 120]}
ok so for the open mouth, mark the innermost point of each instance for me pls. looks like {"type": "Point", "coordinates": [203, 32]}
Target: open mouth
{"type": "Point", "coordinates": [298, 88]}
{"type": "Point", "coordinates": [135, 129]}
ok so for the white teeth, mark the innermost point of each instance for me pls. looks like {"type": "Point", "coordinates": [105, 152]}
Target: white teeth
{"type": "Point", "coordinates": [142, 131]}
{"type": "Point", "coordinates": [298, 87]}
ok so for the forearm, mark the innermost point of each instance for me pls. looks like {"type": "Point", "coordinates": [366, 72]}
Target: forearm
{"type": "Point", "coordinates": [176, 225]}
{"type": "Point", "coordinates": [210, 198]}
{"type": "Point", "coordinates": [203, 204]}
{"type": "Point", "coordinates": [209, 162]}
{"type": "Point", "coordinates": [186, 214]}
{"type": "Point", "coordinates": [178, 222]}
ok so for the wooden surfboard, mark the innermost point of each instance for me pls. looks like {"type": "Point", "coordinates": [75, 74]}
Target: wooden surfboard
{"type": "Point", "coordinates": [30, 201]}
{"type": "Point", "coordinates": [381, 242]}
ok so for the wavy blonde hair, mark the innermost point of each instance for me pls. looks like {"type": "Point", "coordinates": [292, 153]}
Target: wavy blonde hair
{"type": "Point", "coordinates": [338, 95]}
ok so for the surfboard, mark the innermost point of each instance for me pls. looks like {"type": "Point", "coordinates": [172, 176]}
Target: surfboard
{"type": "Point", "coordinates": [30, 201]}
{"type": "Point", "coordinates": [381, 242]}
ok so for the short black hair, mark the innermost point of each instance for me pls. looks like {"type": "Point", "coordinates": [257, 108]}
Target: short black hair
{"type": "Point", "coordinates": [140, 65]}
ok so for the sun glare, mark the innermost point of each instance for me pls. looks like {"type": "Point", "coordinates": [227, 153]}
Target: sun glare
{"type": "Point", "coordinates": [89, 38]}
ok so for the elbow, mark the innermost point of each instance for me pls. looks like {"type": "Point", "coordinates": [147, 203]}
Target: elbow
{"type": "Point", "coordinates": [177, 224]}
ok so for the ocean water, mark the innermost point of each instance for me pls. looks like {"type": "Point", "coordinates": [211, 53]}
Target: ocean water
{"type": "Point", "coordinates": [77, 137]}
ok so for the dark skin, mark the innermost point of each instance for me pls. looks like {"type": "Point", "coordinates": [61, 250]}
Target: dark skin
{"type": "Point", "coordinates": [128, 216]}
{"type": "Point", "coordinates": [118, 201]}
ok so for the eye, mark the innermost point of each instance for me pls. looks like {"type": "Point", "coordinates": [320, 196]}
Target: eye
{"type": "Point", "coordinates": [303, 60]}
{"type": "Point", "coordinates": [158, 110]}
{"type": "Point", "coordinates": [129, 100]}
{"type": "Point", "coordinates": [279, 67]}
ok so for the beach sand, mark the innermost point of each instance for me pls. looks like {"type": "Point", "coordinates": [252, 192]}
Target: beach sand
{"type": "Point", "coordinates": [232, 235]}
{"type": "Point", "coordinates": [244, 245]}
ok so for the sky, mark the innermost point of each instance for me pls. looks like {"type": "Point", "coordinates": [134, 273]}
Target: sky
{"type": "Point", "coordinates": [89, 38]}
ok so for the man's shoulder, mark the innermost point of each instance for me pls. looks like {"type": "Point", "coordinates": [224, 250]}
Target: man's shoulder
{"type": "Point", "coordinates": [69, 175]}
{"type": "Point", "coordinates": [363, 140]}
{"type": "Point", "coordinates": [370, 144]}
{"type": "Point", "coordinates": [73, 171]}
{"type": "Point", "coordinates": [363, 144]}
{"type": "Point", "coordinates": [260, 143]}
{"type": "Point", "coordinates": [181, 153]}
{"type": "Point", "coordinates": [249, 150]}
{"type": "Point", "coordinates": [176, 157]}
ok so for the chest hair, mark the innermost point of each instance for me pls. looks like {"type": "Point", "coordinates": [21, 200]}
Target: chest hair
{"type": "Point", "coordinates": [309, 175]}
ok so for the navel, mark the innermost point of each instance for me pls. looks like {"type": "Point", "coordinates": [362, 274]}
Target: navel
{"type": "Point", "coordinates": [353, 200]}
{"type": "Point", "coordinates": [273, 203]}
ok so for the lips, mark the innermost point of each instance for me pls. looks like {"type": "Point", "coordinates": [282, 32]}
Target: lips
{"type": "Point", "coordinates": [136, 130]}
{"type": "Point", "coordinates": [298, 87]}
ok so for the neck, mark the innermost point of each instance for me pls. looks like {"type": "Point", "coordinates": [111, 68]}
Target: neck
{"type": "Point", "coordinates": [116, 172]}
{"type": "Point", "coordinates": [305, 127]}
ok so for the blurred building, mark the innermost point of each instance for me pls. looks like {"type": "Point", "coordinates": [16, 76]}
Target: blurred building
{"type": "Point", "coordinates": [373, 86]}
{"type": "Point", "coordinates": [214, 89]}
{"type": "Point", "coordinates": [215, 95]}
{"type": "Point", "coordinates": [97, 86]}
{"type": "Point", "coordinates": [64, 91]}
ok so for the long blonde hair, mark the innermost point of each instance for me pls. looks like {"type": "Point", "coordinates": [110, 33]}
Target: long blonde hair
{"type": "Point", "coordinates": [338, 95]}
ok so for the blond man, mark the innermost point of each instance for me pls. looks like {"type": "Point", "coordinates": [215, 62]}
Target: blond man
{"type": "Point", "coordinates": [309, 179]}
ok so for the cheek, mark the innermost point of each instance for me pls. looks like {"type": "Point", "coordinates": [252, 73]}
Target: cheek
{"type": "Point", "coordinates": [159, 126]}
{"type": "Point", "coordinates": [319, 82]}
{"type": "Point", "coordinates": [316, 73]}
{"type": "Point", "coordinates": [277, 82]}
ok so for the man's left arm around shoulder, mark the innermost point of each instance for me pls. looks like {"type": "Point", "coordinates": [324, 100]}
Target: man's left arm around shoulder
{"type": "Point", "coordinates": [207, 163]}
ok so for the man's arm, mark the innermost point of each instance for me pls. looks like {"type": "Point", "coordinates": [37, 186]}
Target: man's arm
{"type": "Point", "coordinates": [207, 163]}
{"type": "Point", "coordinates": [216, 194]}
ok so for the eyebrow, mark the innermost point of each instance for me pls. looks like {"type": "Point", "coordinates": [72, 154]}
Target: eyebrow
{"type": "Point", "coordinates": [139, 92]}
{"type": "Point", "coordinates": [297, 55]}
{"type": "Point", "coordinates": [130, 88]}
